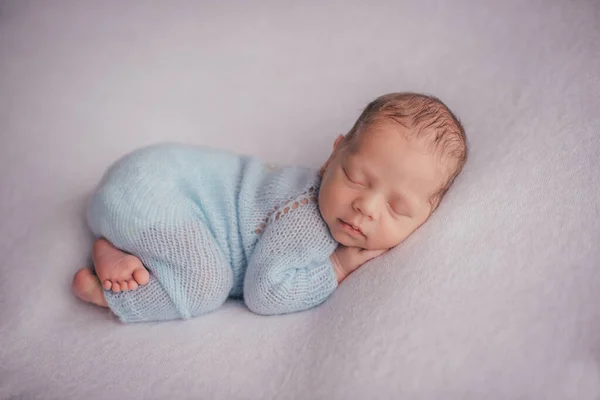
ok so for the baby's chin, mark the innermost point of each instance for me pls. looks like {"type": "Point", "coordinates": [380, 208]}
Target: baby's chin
{"type": "Point", "coordinates": [348, 242]}
{"type": "Point", "coordinates": [343, 240]}
{"type": "Point", "coordinates": [365, 245]}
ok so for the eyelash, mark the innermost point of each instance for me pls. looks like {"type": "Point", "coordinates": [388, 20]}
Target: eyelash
{"type": "Point", "coordinates": [350, 179]}
{"type": "Point", "coordinates": [393, 210]}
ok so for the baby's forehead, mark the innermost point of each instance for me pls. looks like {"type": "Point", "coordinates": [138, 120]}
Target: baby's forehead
{"type": "Point", "coordinates": [379, 139]}
{"type": "Point", "coordinates": [390, 132]}
{"type": "Point", "coordinates": [397, 154]}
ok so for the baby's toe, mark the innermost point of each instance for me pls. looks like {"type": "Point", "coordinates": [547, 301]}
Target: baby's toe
{"type": "Point", "coordinates": [124, 286]}
{"type": "Point", "coordinates": [116, 287]}
{"type": "Point", "coordinates": [141, 276]}
{"type": "Point", "coordinates": [107, 285]}
{"type": "Point", "coordinates": [132, 285]}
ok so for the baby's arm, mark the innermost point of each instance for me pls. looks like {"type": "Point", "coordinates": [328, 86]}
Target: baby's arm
{"type": "Point", "coordinates": [290, 269]}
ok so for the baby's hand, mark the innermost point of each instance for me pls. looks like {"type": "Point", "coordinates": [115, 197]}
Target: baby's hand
{"type": "Point", "coordinates": [346, 260]}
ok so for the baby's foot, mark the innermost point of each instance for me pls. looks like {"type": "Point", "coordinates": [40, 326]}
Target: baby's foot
{"type": "Point", "coordinates": [117, 270]}
{"type": "Point", "coordinates": [87, 287]}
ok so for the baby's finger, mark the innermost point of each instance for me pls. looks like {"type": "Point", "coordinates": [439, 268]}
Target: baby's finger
{"type": "Point", "coordinates": [370, 254]}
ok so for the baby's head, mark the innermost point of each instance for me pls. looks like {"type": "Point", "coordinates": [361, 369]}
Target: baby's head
{"type": "Point", "coordinates": [390, 172]}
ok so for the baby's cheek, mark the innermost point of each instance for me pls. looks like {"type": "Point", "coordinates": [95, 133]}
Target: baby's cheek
{"type": "Point", "coordinates": [344, 196]}
{"type": "Point", "coordinates": [408, 229]}
{"type": "Point", "coordinates": [327, 198]}
{"type": "Point", "coordinates": [393, 234]}
{"type": "Point", "coordinates": [338, 199]}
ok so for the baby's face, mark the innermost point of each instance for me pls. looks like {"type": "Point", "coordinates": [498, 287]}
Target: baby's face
{"type": "Point", "coordinates": [376, 191]}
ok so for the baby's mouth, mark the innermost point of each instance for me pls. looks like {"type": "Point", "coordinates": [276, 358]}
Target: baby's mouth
{"type": "Point", "coordinates": [352, 228]}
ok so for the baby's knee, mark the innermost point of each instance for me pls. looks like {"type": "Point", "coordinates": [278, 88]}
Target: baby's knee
{"type": "Point", "coordinates": [213, 291]}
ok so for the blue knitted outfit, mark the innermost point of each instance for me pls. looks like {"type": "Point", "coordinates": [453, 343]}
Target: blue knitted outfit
{"type": "Point", "coordinates": [209, 225]}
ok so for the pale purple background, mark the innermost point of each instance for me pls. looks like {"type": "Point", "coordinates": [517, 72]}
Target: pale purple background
{"type": "Point", "coordinates": [497, 297]}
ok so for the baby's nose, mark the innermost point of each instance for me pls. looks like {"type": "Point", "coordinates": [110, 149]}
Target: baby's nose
{"type": "Point", "coordinates": [368, 206]}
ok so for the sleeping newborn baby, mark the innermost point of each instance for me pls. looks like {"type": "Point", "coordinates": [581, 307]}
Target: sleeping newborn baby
{"type": "Point", "coordinates": [181, 228]}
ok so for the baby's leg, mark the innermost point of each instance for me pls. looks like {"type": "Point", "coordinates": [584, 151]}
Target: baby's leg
{"type": "Point", "coordinates": [188, 273]}
{"type": "Point", "coordinates": [116, 269]}
{"type": "Point", "coordinates": [189, 264]}
{"type": "Point", "coordinates": [87, 287]}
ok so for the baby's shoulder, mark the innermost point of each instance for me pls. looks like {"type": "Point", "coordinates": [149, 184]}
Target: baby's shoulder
{"type": "Point", "coordinates": [299, 212]}
{"type": "Point", "coordinates": [303, 203]}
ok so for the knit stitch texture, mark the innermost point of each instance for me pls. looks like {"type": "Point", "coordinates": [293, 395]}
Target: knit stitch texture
{"type": "Point", "coordinates": [209, 225]}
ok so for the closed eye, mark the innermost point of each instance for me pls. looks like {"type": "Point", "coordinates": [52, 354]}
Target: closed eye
{"type": "Point", "coordinates": [396, 210]}
{"type": "Point", "coordinates": [350, 179]}
{"type": "Point", "coordinates": [346, 174]}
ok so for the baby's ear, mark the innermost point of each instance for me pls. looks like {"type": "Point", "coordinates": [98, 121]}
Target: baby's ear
{"type": "Point", "coordinates": [337, 142]}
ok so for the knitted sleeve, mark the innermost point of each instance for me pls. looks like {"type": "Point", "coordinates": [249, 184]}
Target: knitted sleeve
{"type": "Point", "coordinates": [290, 269]}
